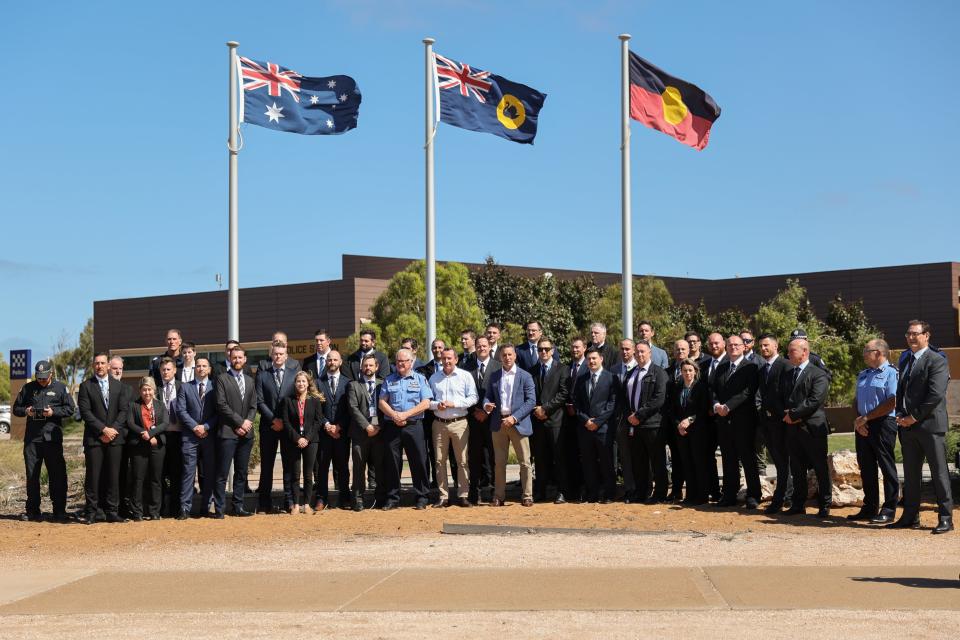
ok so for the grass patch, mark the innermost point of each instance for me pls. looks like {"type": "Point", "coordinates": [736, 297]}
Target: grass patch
{"type": "Point", "coordinates": [839, 441]}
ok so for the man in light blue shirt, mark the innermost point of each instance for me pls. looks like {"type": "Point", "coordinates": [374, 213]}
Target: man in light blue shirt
{"type": "Point", "coordinates": [658, 356]}
{"type": "Point", "coordinates": [454, 392]}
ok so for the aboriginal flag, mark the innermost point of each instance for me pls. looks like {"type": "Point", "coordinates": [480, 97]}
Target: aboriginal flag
{"type": "Point", "coordinates": [668, 104]}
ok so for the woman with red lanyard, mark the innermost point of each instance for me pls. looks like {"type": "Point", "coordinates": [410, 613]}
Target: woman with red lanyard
{"type": "Point", "coordinates": [146, 423]}
{"type": "Point", "coordinates": [301, 421]}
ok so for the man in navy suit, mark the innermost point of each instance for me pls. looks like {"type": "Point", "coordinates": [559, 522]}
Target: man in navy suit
{"type": "Point", "coordinates": [527, 356]}
{"type": "Point", "coordinates": [237, 407]}
{"type": "Point", "coordinates": [595, 400]}
{"type": "Point", "coordinates": [316, 363]}
{"type": "Point", "coordinates": [274, 385]}
{"type": "Point", "coordinates": [510, 399]}
{"type": "Point", "coordinates": [197, 409]}
{"type": "Point", "coordinates": [335, 439]}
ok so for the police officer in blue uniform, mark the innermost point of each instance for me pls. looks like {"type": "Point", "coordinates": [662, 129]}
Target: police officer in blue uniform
{"type": "Point", "coordinates": [404, 396]}
{"type": "Point", "coordinates": [44, 402]}
{"type": "Point", "coordinates": [876, 429]}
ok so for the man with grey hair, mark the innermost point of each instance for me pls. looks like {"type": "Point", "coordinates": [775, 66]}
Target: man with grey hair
{"type": "Point", "coordinates": [803, 392]}
{"type": "Point", "coordinates": [598, 341]}
{"type": "Point", "coordinates": [876, 429]}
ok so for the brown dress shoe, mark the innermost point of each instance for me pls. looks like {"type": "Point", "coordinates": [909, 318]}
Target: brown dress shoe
{"type": "Point", "coordinates": [496, 502]}
{"type": "Point", "coordinates": [527, 502]}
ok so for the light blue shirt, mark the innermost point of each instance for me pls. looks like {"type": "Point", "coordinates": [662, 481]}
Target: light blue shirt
{"type": "Point", "coordinates": [875, 386]}
{"type": "Point", "coordinates": [404, 393]}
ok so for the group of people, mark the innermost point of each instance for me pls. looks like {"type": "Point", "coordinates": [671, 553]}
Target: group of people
{"type": "Point", "coordinates": [574, 425]}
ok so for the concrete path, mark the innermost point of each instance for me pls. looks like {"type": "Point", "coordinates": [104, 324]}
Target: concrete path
{"type": "Point", "coordinates": [861, 588]}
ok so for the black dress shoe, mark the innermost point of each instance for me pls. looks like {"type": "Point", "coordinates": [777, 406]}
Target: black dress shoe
{"type": "Point", "coordinates": [420, 505]}
{"type": "Point", "coordinates": [183, 515]}
{"type": "Point", "coordinates": [216, 515]}
{"type": "Point", "coordinates": [439, 504]}
{"type": "Point", "coordinates": [31, 517]}
{"type": "Point", "coordinates": [61, 517]}
{"type": "Point", "coordinates": [358, 505]}
{"type": "Point", "coordinates": [463, 502]}
{"type": "Point", "coordinates": [882, 518]}
{"type": "Point", "coordinates": [823, 512]}
{"type": "Point", "coordinates": [795, 511]}
{"type": "Point", "coordinates": [559, 499]}
{"type": "Point", "coordinates": [772, 508]}
{"type": "Point", "coordinates": [242, 513]}
{"type": "Point", "coordinates": [905, 523]}
{"type": "Point", "coordinates": [863, 514]}
{"type": "Point", "coordinates": [752, 504]}
{"type": "Point", "coordinates": [944, 525]}
{"type": "Point", "coordinates": [387, 506]}
{"type": "Point", "coordinates": [727, 502]}
{"type": "Point", "coordinates": [136, 518]}
{"type": "Point", "coordinates": [606, 501]}
{"type": "Point", "coordinates": [113, 517]}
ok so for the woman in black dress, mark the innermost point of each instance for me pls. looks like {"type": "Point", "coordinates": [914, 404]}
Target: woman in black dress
{"type": "Point", "coordinates": [687, 415]}
{"type": "Point", "coordinates": [301, 421]}
{"type": "Point", "coordinates": [147, 421]}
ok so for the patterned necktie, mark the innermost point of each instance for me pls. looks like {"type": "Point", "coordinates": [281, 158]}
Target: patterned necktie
{"type": "Point", "coordinates": [333, 385]}
{"type": "Point", "coordinates": [105, 392]}
{"type": "Point", "coordinates": [593, 383]}
{"type": "Point", "coordinates": [480, 377]}
{"type": "Point", "coordinates": [201, 398]}
{"type": "Point", "coordinates": [241, 385]}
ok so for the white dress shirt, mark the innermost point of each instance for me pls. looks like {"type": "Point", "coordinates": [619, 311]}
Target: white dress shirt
{"type": "Point", "coordinates": [456, 389]}
{"type": "Point", "coordinates": [506, 390]}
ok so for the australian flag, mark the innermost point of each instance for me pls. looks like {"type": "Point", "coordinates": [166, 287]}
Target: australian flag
{"type": "Point", "coordinates": [279, 98]}
{"type": "Point", "coordinates": [482, 101]}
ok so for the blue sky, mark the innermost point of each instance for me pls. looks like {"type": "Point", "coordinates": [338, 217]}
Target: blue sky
{"type": "Point", "coordinates": [838, 129]}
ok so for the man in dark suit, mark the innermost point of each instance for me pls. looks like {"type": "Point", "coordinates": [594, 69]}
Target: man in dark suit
{"type": "Point", "coordinates": [803, 392]}
{"type": "Point", "coordinates": [622, 371]}
{"type": "Point", "coordinates": [733, 398]}
{"type": "Point", "coordinates": [549, 452]}
{"type": "Point", "coordinates": [236, 407]}
{"type": "Point", "coordinates": [715, 356]}
{"type": "Point", "coordinates": [922, 419]}
{"type": "Point", "coordinates": [696, 347]}
{"type": "Point", "coordinates": [224, 366]}
{"type": "Point", "coordinates": [197, 410]}
{"type": "Point", "coordinates": [678, 475]}
{"type": "Point", "coordinates": [770, 417]}
{"type": "Point", "coordinates": [509, 400]}
{"type": "Point", "coordinates": [468, 341]}
{"type": "Point", "coordinates": [274, 384]}
{"type": "Point", "coordinates": [281, 338]}
{"type": "Point", "coordinates": [103, 403]}
{"type": "Point", "coordinates": [335, 439]}
{"type": "Point", "coordinates": [598, 341]}
{"type": "Point", "coordinates": [595, 397]}
{"type": "Point", "coordinates": [641, 407]}
{"type": "Point", "coordinates": [316, 363]}
{"type": "Point", "coordinates": [172, 474]}
{"type": "Point", "coordinates": [527, 355]}
{"type": "Point", "coordinates": [575, 368]}
{"type": "Point", "coordinates": [480, 445]}
{"type": "Point", "coordinates": [368, 346]}
{"type": "Point", "coordinates": [366, 446]}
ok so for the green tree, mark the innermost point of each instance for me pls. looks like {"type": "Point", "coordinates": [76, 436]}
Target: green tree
{"type": "Point", "coordinates": [400, 311]}
{"type": "Point", "coordinates": [651, 301]}
{"type": "Point", "coordinates": [4, 380]}
{"type": "Point", "coordinates": [848, 325]}
{"type": "Point", "coordinates": [70, 362]}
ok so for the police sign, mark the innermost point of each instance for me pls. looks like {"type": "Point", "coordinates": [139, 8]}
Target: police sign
{"type": "Point", "coordinates": [20, 365]}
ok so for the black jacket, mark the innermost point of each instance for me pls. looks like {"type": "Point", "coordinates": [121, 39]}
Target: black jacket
{"type": "Point", "coordinates": [56, 397]}
{"type": "Point", "coordinates": [552, 393]}
{"type": "Point", "coordinates": [96, 417]}
{"type": "Point", "coordinates": [805, 399]}
{"type": "Point", "coordinates": [134, 426]}
{"type": "Point", "coordinates": [736, 390]}
{"type": "Point", "coordinates": [312, 412]}
{"type": "Point", "coordinates": [649, 406]}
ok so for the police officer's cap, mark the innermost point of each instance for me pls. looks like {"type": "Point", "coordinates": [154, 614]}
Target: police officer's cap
{"type": "Point", "coordinates": [43, 370]}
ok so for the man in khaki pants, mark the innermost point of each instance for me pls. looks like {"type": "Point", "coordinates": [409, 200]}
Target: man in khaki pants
{"type": "Point", "coordinates": [510, 398]}
{"type": "Point", "coordinates": [454, 392]}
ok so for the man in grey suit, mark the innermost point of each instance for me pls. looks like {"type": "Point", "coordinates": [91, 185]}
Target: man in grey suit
{"type": "Point", "coordinates": [922, 419]}
{"type": "Point", "coordinates": [274, 384]}
{"type": "Point", "coordinates": [237, 407]}
{"type": "Point", "coordinates": [510, 399]}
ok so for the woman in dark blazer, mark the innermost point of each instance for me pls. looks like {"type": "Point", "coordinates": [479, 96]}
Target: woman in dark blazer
{"type": "Point", "coordinates": [687, 413]}
{"type": "Point", "coordinates": [147, 421]}
{"type": "Point", "coordinates": [301, 420]}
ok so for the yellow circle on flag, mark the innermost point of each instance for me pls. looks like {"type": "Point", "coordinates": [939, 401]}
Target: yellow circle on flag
{"type": "Point", "coordinates": [674, 111]}
{"type": "Point", "coordinates": [516, 115]}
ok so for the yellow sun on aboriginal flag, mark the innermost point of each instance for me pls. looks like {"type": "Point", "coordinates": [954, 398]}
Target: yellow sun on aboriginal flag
{"type": "Point", "coordinates": [677, 108]}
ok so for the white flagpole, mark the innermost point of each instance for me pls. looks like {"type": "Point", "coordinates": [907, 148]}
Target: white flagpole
{"type": "Point", "coordinates": [431, 283]}
{"type": "Point", "coordinates": [627, 244]}
{"type": "Point", "coordinates": [233, 295]}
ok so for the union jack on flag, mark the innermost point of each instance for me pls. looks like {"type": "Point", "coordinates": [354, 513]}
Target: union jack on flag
{"type": "Point", "coordinates": [479, 100]}
{"type": "Point", "coordinates": [279, 98]}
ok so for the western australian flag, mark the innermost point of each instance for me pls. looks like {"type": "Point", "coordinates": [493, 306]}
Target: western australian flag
{"type": "Point", "coordinates": [278, 98]}
{"type": "Point", "coordinates": [482, 101]}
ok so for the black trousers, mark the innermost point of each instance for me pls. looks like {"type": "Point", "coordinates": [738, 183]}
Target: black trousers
{"type": "Point", "coordinates": [146, 477]}
{"type": "Point", "coordinates": [599, 467]}
{"type": "Point", "coordinates": [102, 474]}
{"type": "Point", "coordinates": [235, 451]}
{"type": "Point", "coordinates": [334, 452]}
{"type": "Point", "coordinates": [697, 459]}
{"type": "Point", "coordinates": [172, 473]}
{"type": "Point", "coordinates": [648, 451]}
{"type": "Point", "coordinates": [480, 459]}
{"type": "Point", "coordinates": [574, 466]}
{"type": "Point", "coordinates": [875, 453]}
{"type": "Point", "coordinates": [808, 450]}
{"type": "Point", "coordinates": [50, 453]}
{"type": "Point", "coordinates": [776, 439]}
{"type": "Point", "coordinates": [549, 458]}
{"type": "Point", "coordinates": [670, 438]}
{"type": "Point", "coordinates": [294, 459]}
{"type": "Point", "coordinates": [737, 448]}
{"type": "Point", "coordinates": [713, 484]}
{"type": "Point", "coordinates": [366, 452]}
{"type": "Point", "coordinates": [428, 445]}
{"type": "Point", "coordinates": [270, 441]}
{"type": "Point", "coordinates": [124, 481]}
{"type": "Point", "coordinates": [409, 440]}
{"type": "Point", "coordinates": [917, 445]}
